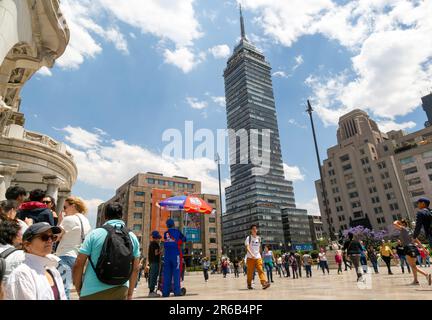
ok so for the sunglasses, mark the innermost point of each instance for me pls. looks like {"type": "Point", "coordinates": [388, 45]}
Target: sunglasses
{"type": "Point", "coordinates": [47, 237]}
{"type": "Point", "coordinates": [46, 202]}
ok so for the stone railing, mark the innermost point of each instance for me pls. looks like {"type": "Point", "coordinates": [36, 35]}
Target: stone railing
{"type": "Point", "coordinates": [18, 132]}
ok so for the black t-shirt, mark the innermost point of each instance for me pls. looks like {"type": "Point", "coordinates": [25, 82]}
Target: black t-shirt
{"type": "Point", "coordinates": [352, 247]}
{"type": "Point", "coordinates": [400, 250]}
{"type": "Point", "coordinates": [153, 258]}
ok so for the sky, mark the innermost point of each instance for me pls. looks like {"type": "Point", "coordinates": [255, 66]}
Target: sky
{"type": "Point", "coordinates": [134, 69]}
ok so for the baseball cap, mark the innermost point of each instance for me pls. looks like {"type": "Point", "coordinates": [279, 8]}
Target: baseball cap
{"type": "Point", "coordinates": [424, 200]}
{"type": "Point", "coordinates": [156, 235]}
{"type": "Point", "coordinates": [39, 228]}
{"type": "Point", "coordinates": [170, 223]}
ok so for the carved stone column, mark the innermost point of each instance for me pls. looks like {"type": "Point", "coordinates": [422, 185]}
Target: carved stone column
{"type": "Point", "coordinates": [53, 183]}
{"type": "Point", "coordinates": [7, 171]}
{"type": "Point", "coordinates": [62, 196]}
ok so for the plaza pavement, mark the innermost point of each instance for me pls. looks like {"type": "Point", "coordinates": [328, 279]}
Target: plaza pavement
{"type": "Point", "coordinates": [319, 287]}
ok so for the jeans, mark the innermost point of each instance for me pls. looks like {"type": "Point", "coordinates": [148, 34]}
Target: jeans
{"type": "Point", "coordinates": [308, 271]}
{"type": "Point", "coordinates": [363, 262]}
{"type": "Point", "coordinates": [375, 265]}
{"type": "Point", "coordinates": [65, 268]}
{"type": "Point", "coordinates": [269, 269]}
{"type": "Point", "coordinates": [324, 266]}
{"type": "Point", "coordinates": [355, 259]}
{"type": "Point", "coordinates": [403, 261]}
{"type": "Point", "coordinates": [287, 270]}
{"type": "Point", "coordinates": [153, 275]}
{"type": "Point", "coordinates": [206, 275]}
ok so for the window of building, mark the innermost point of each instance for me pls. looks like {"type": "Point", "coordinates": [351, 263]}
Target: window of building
{"type": "Point", "coordinates": [407, 160]}
{"type": "Point", "coordinates": [212, 230]}
{"type": "Point", "coordinates": [394, 206]}
{"type": "Point", "coordinates": [150, 181]}
{"type": "Point", "coordinates": [351, 185]}
{"type": "Point", "coordinates": [381, 220]}
{"type": "Point", "coordinates": [344, 158]}
{"type": "Point", "coordinates": [385, 175]}
{"type": "Point", "coordinates": [348, 176]}
{"type": "Point", "coordinates": [373, 190]}
{"type": "Point", "coordinates": [161, 182]}
{"type": "Point", "coordinates": [337, 199]}
{"type": "Point", "coordinates": [212, 220]}
{"type": "Point", "coordinates": [428, 166]}
{"type": "Point", "coordinates": [347, 167]}
{"type": "Point", "coordinates": [139, 204]}
{"type": "Point", "coordinates": [353, 195]}
{"type": "Point", "coordinates": [213, 240]}
{"type": "Point", "coordinates": [418, 192]}
{"type": "Point", "coordinates": [375, 200]}
{"type": "Point", "coordinates": [358, 214]}
{"type": "Point", "coordinates": [139, 193]}
{"type": "Point", "coordinates": [410, 170]}
{"type": "Point", "coordinates": [365, 161]}
{"type": "Point", "coordinates": [331, 172]}
{"type": "Point", "coordinates": [138, 215]}
{"type": "Point", "coordinates": [330, 164]}
{"type": "Point", "coordinates": [378, 210]}
{"type": "Point", "coordinates": [137, 227]}
{"type": "Point", "coordinates": [386, 148]}
{"type": "Point", "coordinates": [356, 204]}
{"type": "Point", "coordinates": [335, 190]}
{"type": "Point", "coordinates": [388, 185]}
{"type": "Point", "coordinates": [430, 177]}
{"type": "Point", "coordinates": [171, 183]}
{"type": "Point", "coordinates": [382, 165]}
{"type": "Point", "coordinates": [370, 180]}
{"type": "Point", "coordinates": [427, 154]}
{"type": "Point", "coordinates": [414, 181]}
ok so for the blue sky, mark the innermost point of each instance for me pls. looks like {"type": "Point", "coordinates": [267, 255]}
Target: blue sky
{"type": "Point", "coordinates": [135, 69]}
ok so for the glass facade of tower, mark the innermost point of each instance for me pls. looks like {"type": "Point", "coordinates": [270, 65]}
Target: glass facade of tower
{"type": "Point", "coordinates": [253, 198]}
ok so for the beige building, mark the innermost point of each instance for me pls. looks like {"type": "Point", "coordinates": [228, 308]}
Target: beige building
{"type": "Point", "coordinates": [139, 197]}
{"type": "Point", "coordinates": [373, 178]}
{"type": "Point", "coordinates": [33, 34]}
{"type": "Point", "coordinates": [316, 229]}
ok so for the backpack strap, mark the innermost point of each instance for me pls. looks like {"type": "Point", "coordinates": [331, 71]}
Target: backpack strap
{"type": "Point", "coordinates": [7, 253]}
{"type": "Point", "coordinates": [82, 229]}
{"type": "Point", "coordinates": [108, 228]}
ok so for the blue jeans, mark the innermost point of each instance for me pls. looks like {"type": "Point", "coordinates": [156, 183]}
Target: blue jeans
{"type": "Point", "coordinates": [65, 267]}
{"type": "Point", "coordinates": [403, 261]}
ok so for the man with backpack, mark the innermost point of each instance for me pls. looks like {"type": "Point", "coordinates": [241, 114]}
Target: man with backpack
{"type": "Point", "coordinates": [423, 219]}
{"type": "Point", "coordinates": [114, 258]}
{"type": "Point", "coordinates": [173, 259]}
{"type": "Point", "coordinates": [254, 260]}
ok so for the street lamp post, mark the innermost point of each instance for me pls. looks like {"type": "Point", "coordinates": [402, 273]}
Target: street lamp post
{"type": "Point", "coordinates": [218, 160]}
{"type": "Point", "coordinates": [327, 209]}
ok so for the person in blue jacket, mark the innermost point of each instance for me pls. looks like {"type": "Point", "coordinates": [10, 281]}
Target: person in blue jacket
{"type": "Point", "coordinates": [173, 239]}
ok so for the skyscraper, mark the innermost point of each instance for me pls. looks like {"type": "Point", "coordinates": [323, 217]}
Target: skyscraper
{"type": "Point", "coordinates": [253, 198]}
{"type": "Point", "coordinates": [427, 107]}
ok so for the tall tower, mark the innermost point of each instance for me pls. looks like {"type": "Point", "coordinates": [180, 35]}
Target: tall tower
{"type": "Point", "coordinates": [427, 107]}
{"type": "Point", "coordinates": [251, 198]}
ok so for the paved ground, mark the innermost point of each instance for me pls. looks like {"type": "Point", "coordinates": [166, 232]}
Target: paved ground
{"type": "Point", "coordinates": [328, 287]}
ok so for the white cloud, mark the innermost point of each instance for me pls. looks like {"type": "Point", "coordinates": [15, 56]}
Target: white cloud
{"type": "Point", "coordinates": [221, 101]}
{"type": "Point", "coordinates": [44, 72]}
{"type": "Point", "coordinates": [173, 20]}
{"type": "Point", "coordinates": [194, 103]}
{"type": "Point", "coordinates": [280, 74]}
{"type": "Point", "coordinates": [82, 138]}
{"type": "Point", "coordinates": [389, 40]}
{"type": "Point", "coordinates": [221, 51]}
{"type": "Point", "coordinates": [293, 173]}
{"type": "Point", "coordinates": [295, 123]}
{"type": "Point", "coordinates": [108, 164]}
{"type": "Point", "coordinates": [183, 58]}
{"type": "Point", "coordinates": [386, 126]}
{"type": "Point", "coordinates": [299, 61]}
{"type": "Point", "coordinates": [312, 207]}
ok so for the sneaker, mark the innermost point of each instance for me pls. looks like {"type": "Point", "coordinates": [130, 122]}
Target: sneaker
{"type": "Point", "coordinates": [266, 286]}
{"type": "Point", "coordinates": [154, 295]}
{"type": "Point", "coordinates": [250, 288]}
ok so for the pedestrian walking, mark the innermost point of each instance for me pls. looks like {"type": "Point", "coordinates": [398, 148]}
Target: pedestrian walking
{"type": "Point", "coordinates": [421, 257]}
{"type": "Point", "coordinates": [299, 263]}
{"type": "Point", "coordinates": [236, 265]}
{"type": "Point", "coordinates": [294, 265]}
{"type": "Point", "coordinates": [307, 263]}
{"type": "Point", "coordinates": [286, 265]}
{"type": "Point", "coordinates": [154, 260]}
{"type": "Point", "coordinates": [254, 261]}
{"type": "Point", "coordinates": [400, 251]}
{"type": "Point", "coordinates": [373, 258]}
{"type": "Point", "coordinates": [225, 267]}
{"type": "Point", "coordinates": [113, 254]}
{"type": "Point", "coordinates": [338, 259]}
{"type": "Point", "coordinates": [37, 278]}
{"type": "Point", "coordinates": [411, 250]}
{"type": "Point", "coordinates": [346, 262]}
{"type": "Point", "coordinates": [386, 254]}
{"type": "Point", "coordinates": [423, 220]}
{"type": "Point", "coordinates": [268, 259]}
{"type": "Point", "coordinates": [353, 249]}
{"type": "Point", "coordinates": [205, 265]}
{"type": "Point", "coordinates": [323, 263]}
{"type": "Point", "coordinates": [363, 257]}
{"type": "Point", "coordinates": [75, 227]}
{"type": "Point", "coordinates": [279, 266]}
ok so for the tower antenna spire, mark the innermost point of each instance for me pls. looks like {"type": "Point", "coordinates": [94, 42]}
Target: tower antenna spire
{"type": "Point", "coordinates": [243, 32]}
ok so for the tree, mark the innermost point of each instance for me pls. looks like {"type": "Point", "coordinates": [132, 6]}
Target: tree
{"type": "Point", "coordinates": [369, 237]}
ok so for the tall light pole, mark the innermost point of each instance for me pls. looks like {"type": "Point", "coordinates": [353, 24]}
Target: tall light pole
{"type": "Point", "coordinates": [326, 206]}
{"type": "Point", "coordinates": [218, 160]}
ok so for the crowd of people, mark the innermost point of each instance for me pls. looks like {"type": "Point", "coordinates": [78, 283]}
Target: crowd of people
{"type": "Point", "coordinates": [47, 251]}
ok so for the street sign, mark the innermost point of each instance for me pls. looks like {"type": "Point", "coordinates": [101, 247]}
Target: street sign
{"type": "Point", "coordinates": [303, 247]}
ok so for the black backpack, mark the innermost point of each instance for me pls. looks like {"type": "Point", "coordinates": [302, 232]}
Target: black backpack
{"type": "Point", "coordinates": [3, 257]}
{"type": "Point", "coordinates": [115, 263]}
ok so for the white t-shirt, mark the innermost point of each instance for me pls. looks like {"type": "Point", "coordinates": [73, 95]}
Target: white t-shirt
{"type": "Point", "coordinates": [13, 260]}
{"type": "Point", "coordinates": [254, 243]}
{"type": "Point", "coordinates": [71, 240]}
{"type": "Point", "coordinates": [322, 256]}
